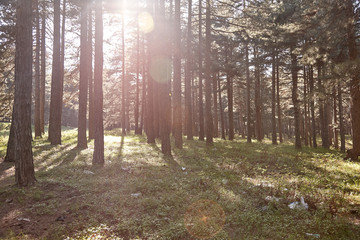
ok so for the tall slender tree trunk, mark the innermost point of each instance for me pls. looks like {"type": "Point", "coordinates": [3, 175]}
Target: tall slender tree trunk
{"type": "Point", "coordinates": [83, 84]}
{"type": "Point", "coordinates": [177, 79]}
{"type": "Point", "coordinates": [137, 97]}
{"type": "Point", "coordinates": [248, 96]}
{"type": "Point", "coordinates": [123, 79]}
{"type": "Point", "coordinates": [257, 96]}
{"type": "Point", "coordinates": [56, 82]}
{"type": "Point", "coordinates": [24, 165]}
{"type": "Point", "coordinates": [98, 157]}
{"type": "Point", "coordinates": [164, 83]}
{"type": "Point", "coordinates": [355, 80]}
{"type": "Point", "coordinates": [188, 106]}
{"type": "Point", "coordinates": [150, 90]}
{"type": "Point", "coordinates": [294, 76]}
{"type": "Point", "coordinates": [306, 131]}
{"type": "Point", "coordinates": [143, 95]}
{"type": "Point", "coordinates": [201, 106]}
{"type": "Point", "coordinates": [90, 75]}
{"type": "Point", "coordinates": [341, 119]}
{"type": "Point", "coordinates": [216, 121]}
{"type": "Point", "coordinates": [230, 93]}
{"type": "Point", "coordinates": [322, 108]}
{"type": "Point", "coordinates": [37, 112]}
{"type": "Point", "coordinates": [209, 120]}
{"type": "Point", "coordinates": [279, 114]}
{"type": "Point", "coordinates": [43, 70]}
{"type": "Point", "coordinates": [222, 121]}
{"type": "Point", "coordinates": [312, 106]}
{"type": "Point", "coordinates": [273, 101]}
{"type": "Point", "coordinates": [335, 122]}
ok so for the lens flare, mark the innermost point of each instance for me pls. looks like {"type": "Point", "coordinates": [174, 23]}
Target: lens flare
{"type": "Point", "coordinates": [204, 219]}
{"type": "Point", "coordinates": [146, 22]}
{"type": "Point", "coordinates": [160, 69]}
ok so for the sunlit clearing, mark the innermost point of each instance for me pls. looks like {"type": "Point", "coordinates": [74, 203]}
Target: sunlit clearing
{"type": "Point", "coordinates": [160, 69]}
{"type": "Point", "coordinates": [146, 22]}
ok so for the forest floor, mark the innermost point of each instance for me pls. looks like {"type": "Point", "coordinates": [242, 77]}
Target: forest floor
{"type": "Point", "coordinates": [232, 190]}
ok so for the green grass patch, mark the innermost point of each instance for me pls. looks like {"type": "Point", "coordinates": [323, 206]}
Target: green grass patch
{"type": "Point", "coordinates": [140, 194]}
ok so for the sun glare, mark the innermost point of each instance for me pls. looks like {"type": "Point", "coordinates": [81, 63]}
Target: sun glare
{"type": "Point", "coordinates": [146, 22]}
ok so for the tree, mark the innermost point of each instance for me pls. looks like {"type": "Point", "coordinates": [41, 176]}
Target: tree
{"type": "Point", "coordinates": [355, 79]}
{"type": "Point", "coordinates": [295, 100]}
{"type": "Point", "coordinates": [83, 83]}
{"type": "Point", "coordinates": [43, 69]}
{"type": "Point", "coordinates": [209, 120]}
{"type": "Point", "coordinates": [177, 79]}
{"type": "Point", "coordinates": [56, 82]}
{"type": "Point", "coordinates": [188, 106]}
{"type": "Point", "coordinates": [37, 74]}
{"type": "Point", "coordinates": [90, 74]}
{"type": "Point", "coordinates": [98, 157]}
{"type": "Point", "coordinates": [201, 106]}
{"type": "Point", "coordinates": [24, 165]}
{"type": "Point", "coordinates": [123, 80]}
{"type": "Point", "coordinates": [273, 102]}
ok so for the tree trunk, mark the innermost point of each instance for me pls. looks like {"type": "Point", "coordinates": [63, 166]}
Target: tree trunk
{"type": "Point", "coordinates": [137, 100]}
{"type": "Point", "coordinates": [123, 79]}
{"type": "Point", "coordinates": [354, 83]}
{"type": "Point", "coordinates": [341, 120]}
{"type": "Point", "coordinates": [10, 149]}
{"type": "Point", "coordinates": [37, 116]}
{"type": "Point", "coordinates": [201, 107]}
{"type": "Point", "coordinates": [335, 123]}
{"type": "Point", "coordinates": [188, 106]}
{"type": "Point", "coordinates": [82, 140]}
{"type": "Point", "coordinates": [306, 131]}
{"type": "Point", "coordinates": [43, 70]}
{"type": "Point", "coordinates": [56, 83]}
{"type": "Point", "coordinates": [177, 79]}
{"type": "Point", "coordinates": [98, 157]}
{"type": "Point", "coordinates": [280, 127]}
{"type": "Point", "coordinates": [294, 77]}
{"type": "Point", "coordinates": [273, 101]}
{"type": "Point", "coordinates": [143, 95]}
{"type": "Point", "coordinates": [209, 121]}
{"type": "Point", "coordinates": [312, 106]}
{"type": "Point", "coordinates": [90, 75]}
{"type": "Point", "coordinates": [150, 103]}
{"type": "Point", "coordinates": [216, 121]}
{"type": "Point", "coordinates": [230, 94]}
{"type": "Point", "coordinates": [257, 96]}
{"type": "Point", "coordinates": [221, 113]}
{"type": "Point", "coordinates": [248, 96]}
{"type": "Point", "coordinates": [24, 165]}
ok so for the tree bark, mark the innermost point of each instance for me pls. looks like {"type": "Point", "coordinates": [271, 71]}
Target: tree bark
{"type": "Point", "coordinates": [355, 82]}
{"type": "Point", "coordinates": [90, 76]}
{"type": "Point", "coordinates": [83, 84]}
{"type": "Point", "coordinates": [216, 121]}
{"type": "Point", "coordinates": [137, 97]}
{"type": "Point", "coordinates": [123, 79]}
{"type": "Point", "coordinates": [56, 83]}
{"type": "Point", "coordinates": [257, 97]}
{"type": "Point", "coordinates": [294, 77]}
{"type": "Point", "coordinates": [230, 94]}
{"type": "Point", "coordinates": [221, 113]}
{"type": "Point", "coordinates": [98, 157]}
{"type": "Point", "coordinates": [341, 119]}
{"type": "Point", "coordinates": [201, 105]}
{"type": "Point", "coordinates": [43, 70]}
{"type": "Point", "coordinates": [37, 116]}
{"type": "Point", "coordinates": [248, 96]}
{"type": "Point", "coordinates": [306, 131]}
{"type": "Point", "coordinates": [177, 79]}
{"type": "Point", "coordinates": [188, 106]}
{"type": "Point", "coordinates": [312, 106]}
{"type": "Point", "coordinates": [209, 121]}
{"type": "Point", "coordinates": [279, 114]}
{"type": "Point", "coordinates": [24, 164]}
{"type": "Point", "coordinates": [273, 101]}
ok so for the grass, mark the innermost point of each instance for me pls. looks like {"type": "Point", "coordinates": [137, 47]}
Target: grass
{"type": "Point", "coordinates": [226, 191]}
